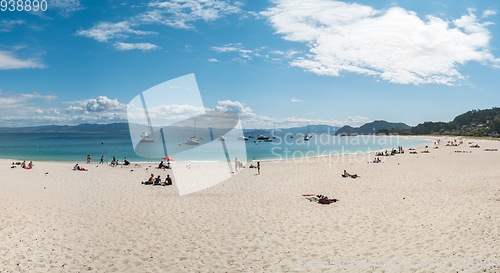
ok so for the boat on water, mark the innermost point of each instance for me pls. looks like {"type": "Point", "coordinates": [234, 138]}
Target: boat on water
{"type": "Point", "coordinates": [274, 136]}
{"type": "Point", "coordinates": [291, 130]}
{"type": "Point", "coordinates": [193, 140]}
{"type": "Point", "coordinates": [307, 136]}
{"type": "Point", "coordinates": [262, 137]}
{"type": "Point", "coordinates": [250, 137]}
{"type": "Point", "coordinates": [145, 138]}
{"type": "Point", "coordinates": [268, 140]}
{"type": "Point", "coordinates": [242, 138]}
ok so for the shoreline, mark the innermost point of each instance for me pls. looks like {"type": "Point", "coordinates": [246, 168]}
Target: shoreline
{"type": "Point", "coordinates": [259, 160]}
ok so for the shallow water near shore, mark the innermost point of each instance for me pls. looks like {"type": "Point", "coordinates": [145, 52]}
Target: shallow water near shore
{"type": "Point", "coordinates": [74, 147]}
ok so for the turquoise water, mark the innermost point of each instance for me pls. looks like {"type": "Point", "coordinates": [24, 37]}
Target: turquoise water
{"type": "Point", "coordinates": [76, 147]}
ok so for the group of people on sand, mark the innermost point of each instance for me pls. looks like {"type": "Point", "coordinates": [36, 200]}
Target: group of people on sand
{"type": "Point", "coordinates": [455, 143]}
{"type": "Point", "coordinates": [164, 166]}
{"type": "Point", "coordinates": [23, 165]}
{"type": "Point", "coordinates": [115, 162]}
{"type": "Point", "coordinates": [400, 150]}
{"type": "Point", "coordinates": [255, 167]}
{"type": "Point", "coordinates": [377, 160]}
{"type": "Point", "coordinates": [238, 165]}
{"type": "Point", "coordinates": [157, 181]}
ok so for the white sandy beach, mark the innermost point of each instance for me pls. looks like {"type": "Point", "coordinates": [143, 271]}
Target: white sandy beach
{"type": "Point", "coordinates": [423, 207]}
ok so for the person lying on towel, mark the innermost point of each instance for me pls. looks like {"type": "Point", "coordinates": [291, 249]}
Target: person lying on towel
{"type": "Point", "coordinates": [348, 175]}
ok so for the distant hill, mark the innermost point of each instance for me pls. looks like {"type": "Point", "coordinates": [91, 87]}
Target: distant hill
{"type": "Point", "coordinates": [124, 128]}
{"type": "Point", "coordinates": [82, 128]}
{"type": "Point", "coordinates": [371, 128]}
{"type": "Point", "coordinates": [484, 122]}
{"type": "Point", "coordinates": [313, 129]}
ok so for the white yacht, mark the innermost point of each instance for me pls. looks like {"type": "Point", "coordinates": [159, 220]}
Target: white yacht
{"type": "Point", "coordinates": [193, 140]}
{"type": "Point", "coordinates": [145, 138]}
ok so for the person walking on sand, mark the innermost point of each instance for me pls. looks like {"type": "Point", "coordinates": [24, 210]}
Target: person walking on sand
{"type": "Point", "coordinates": [102, 160]}
{"type": "Point", "coordinates": [258, 167]}
{"type": "Point", "coordinates": [88, 159]}
{"type": "Point", "coordinates": [236, 164]}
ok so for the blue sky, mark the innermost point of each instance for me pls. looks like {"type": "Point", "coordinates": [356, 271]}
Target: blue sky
{"type": "Point", "coordinates": [284, 61]}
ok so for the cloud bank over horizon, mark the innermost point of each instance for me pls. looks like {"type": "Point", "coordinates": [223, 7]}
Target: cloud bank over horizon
{"type": "Point", "coordinates": [21, 110]}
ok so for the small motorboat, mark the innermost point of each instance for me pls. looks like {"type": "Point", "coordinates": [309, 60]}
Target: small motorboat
{"type": "Point", "coordinates": [192, 141]}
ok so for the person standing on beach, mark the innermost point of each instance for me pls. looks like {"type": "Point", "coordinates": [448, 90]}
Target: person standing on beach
{"type": "Point", "coordinates": [88, 159]}
{"type": "Point", "coordinates": [236, 164]}
{"type": "Point", "coordinates": [258, 167]}
{"type": "Point", "coordinates": [102, 160]}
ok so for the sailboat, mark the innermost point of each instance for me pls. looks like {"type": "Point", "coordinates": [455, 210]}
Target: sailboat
{"type": "Point", "coordinates": [274, 130]}
{"type": "Point", "coordinates": [145, 137]}
{"type": "Point", "coordinates": [192, 140]}
{"type": "Point", "coordinates": [291, 130]}
{"type": "Point", "coordinates": [307, 136]}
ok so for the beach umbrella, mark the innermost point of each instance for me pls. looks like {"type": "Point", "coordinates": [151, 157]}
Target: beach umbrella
{"type": "Point", "coordinates": [168, 158]}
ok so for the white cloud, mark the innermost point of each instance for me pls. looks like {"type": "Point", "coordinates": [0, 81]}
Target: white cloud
{"type": "Point", "coordinates": [9, 25]}
{"type": "Point", "coordinates": [67, 7]}
{"type": "Point", "coordinates": [181, 13]}
{"type": "Point", "coordinates": [394, 44]}
{"type": "Point", "coordinates": [488, 12]}
{"type": "Point", "coordinates": [105, 31]}
{"type": "Point", "coordinates": [235, 107]}
{"type": "Point", "coordinates": [100, 104]}
{"type": "Point", "coordinates": [228, 48]}
{"type": "Point", "coordinates": [9, 61]}
{"type": "Point", "coordinates": [246, 54]}
{"type": "Point", "coordinates": [24, 104]}
{"type": "Point", "coordinates": [141, 46]}
{"type": "Point", "coordinates": [296, 100]}
{"type": "Point", "coordinates": [212, 60]}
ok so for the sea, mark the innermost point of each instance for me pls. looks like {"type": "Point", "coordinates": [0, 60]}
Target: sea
{"type": "Point", "coordinates": [74, 147]}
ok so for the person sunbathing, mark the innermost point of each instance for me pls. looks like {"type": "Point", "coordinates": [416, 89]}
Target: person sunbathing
{"type": "Point", "coordinates": [31, 165]}
{"type": "Point", "coordinates": [347, 175]}
{"type": "Point", "coordinates": [23, 165]}
{"type": "Point", "coordinates": [78, 168]}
